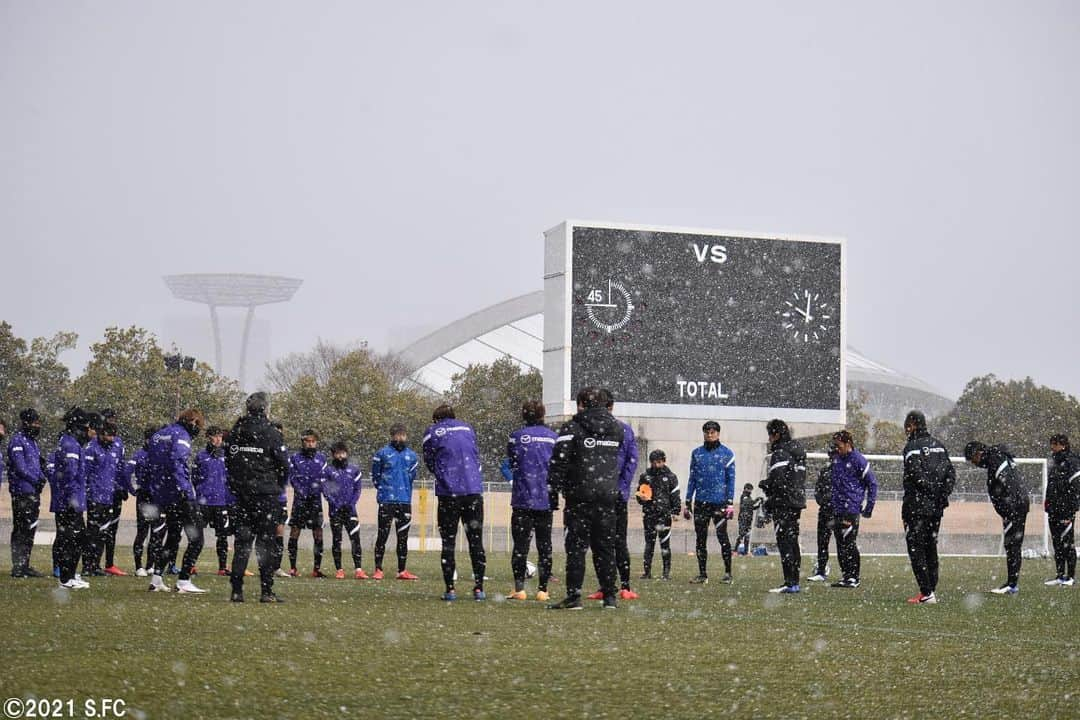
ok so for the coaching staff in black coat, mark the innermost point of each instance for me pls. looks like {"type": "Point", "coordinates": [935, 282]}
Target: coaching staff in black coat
{"type": "Point", "coordinates": [256, 462]}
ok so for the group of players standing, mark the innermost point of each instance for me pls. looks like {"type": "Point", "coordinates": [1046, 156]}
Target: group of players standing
{"type": "Point", "coordinates": [237, 486]}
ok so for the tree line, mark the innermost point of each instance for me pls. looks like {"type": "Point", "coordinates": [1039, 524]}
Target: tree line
{"type": "Point", "coordinates": [352, 393]}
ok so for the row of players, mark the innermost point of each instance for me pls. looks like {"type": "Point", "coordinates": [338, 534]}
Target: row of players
{"type": "Point", "coordinates": [173, 501]}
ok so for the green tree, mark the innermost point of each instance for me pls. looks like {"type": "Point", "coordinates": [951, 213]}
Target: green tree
{"type": "Point", "coordinates": [31, 375]}
{"type": "Point", "coordinates": [886, 438]}
{"type": "Point", "coordinates": [127, 373]}
{"type": "Point", "coordinates": [489, 398]}
{"type": "Point", "coordinates": [1018, 413]}
{"type": "Point", "coordinates": [344, 394]}
{"type": "Point", "coordinates": [858, 424]}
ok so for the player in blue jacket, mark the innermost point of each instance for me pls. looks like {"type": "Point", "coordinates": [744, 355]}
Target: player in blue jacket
{"type": "Point", "coordinates": [710, 490]}
{"type": "Point", "coordinates": [26, 479]}
{"type": "Point", "coordinates": [393, 472]}
{"type": "Point", "coordinates": [341, 486]}
{"type": "Point", "coordinates": [307, 470]}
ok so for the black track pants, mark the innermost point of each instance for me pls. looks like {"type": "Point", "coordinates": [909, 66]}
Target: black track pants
{"type": "Point", "coordinates": [256, 522]}
{"type": "Point", "coordinates": [400, 516]}
{"type": "Point", "coordinates": [591, 526]}
{"type": "Point", "coordinates": [657, 527]}
{"type": "Point", "coordinates": [921, 532]}
{"type": "Point", "coordinates": [466, 510]}
{"type": "Point", "coordinates": [25, 510]}
{"type": "Point", "coordinates": [345, 518]}
{"type": "Point", "coordinates": [523, 524]}
{"type": "Point", "coordinates": [846, 529]}
{"type": "Point", "coordinates": [786, 523]}
{"type": "Point", "coordinates": [716, 513]}
{"type": "Point", "coordinates": [1064, 534]}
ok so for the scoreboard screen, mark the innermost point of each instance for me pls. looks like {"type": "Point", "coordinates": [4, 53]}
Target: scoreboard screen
{"type": "Point", "coordinates": [689, 323]}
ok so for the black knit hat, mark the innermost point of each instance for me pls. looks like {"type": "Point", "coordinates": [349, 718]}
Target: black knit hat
{"type": "Point", "coordinates": [657, 455]}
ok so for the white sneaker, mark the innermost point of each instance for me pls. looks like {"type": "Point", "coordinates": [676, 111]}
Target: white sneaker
{"type": "Point", "coordinates": [281, 573]}
{"type": "Point", "coordinates": [817, 578]}
{"type": "Point", "coordinates": [930, 599]}
{"type": "Point", "coordinates": [1067, 582]}
{"type": "Point", "coordinates": [1006, 590]}
{"type": "Point", "coordinates": [186, 586]}
{"type": "Point", "coordinates": [157, 584]}
{"type": "Point", "coordinates": [141, 572]}
{"type": "Point", "coordinates": [74, 584]}
{"type": "Point", "coordinates": [1053, 581]}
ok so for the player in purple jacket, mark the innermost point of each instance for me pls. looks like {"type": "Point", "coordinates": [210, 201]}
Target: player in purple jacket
{"type": "Point", "coordinates": [174, 509]}
{"type": "Point", "coordinates": [138, 480]}
{"type": "Point", "coordinates": [341, 486]}
{"type": "Point", "coordinates": [307, 469]}
{"type": "Point", "coordinates": [450, 453]}
{"type": "Point", "coordinates": [529, 452]}
{"type": "Point", "coordinates": [854, 492]}
{"type": "Point", "coordinates": [67, 484]}
{"type": "Point", "coordinates": [26, 479]}
{"type": "Point", "coordinates": [103, 464]}
{"type": "Point", "coordinates": [212, 494]}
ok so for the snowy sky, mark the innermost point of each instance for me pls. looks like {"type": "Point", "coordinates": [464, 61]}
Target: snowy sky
{"type": "Point", "coordinates": [403, 158]}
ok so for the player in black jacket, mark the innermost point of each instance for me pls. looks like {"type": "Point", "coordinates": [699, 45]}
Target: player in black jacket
{"type": "Point", "coordinates": [1010, 501]}
{"type": "Point", "coordinates": [658, 495]}
{"type": "Point", "coordinates": [748, 505]}
{"type": "Point", "coordinates": [929, 479]}
{"type": "Point", "coordinates": [825, 518]}
{"type": "Point", "coordinates": [256, 463]}
{"type": "Point", "coordinates": [785, 498]}
{"type": "Point", "coordinates": [585, 467]}
{"type": "Point", "coordinates": [1061, 504]}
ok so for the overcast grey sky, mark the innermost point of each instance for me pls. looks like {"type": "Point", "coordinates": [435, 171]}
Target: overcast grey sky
{"type": "Point", "coordinates": [403, 158]}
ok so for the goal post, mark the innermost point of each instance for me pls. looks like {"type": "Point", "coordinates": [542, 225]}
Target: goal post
{"type": "Point", "coordinates": [969, 527]}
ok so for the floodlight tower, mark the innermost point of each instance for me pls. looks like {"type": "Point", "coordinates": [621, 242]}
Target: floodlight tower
{"type": "Point", "coordinates": [232, 290]}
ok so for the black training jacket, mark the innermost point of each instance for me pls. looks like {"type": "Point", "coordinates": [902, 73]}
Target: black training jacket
{"type": "Point", "coordinates": [257, 459]}
{"type": "Point", "coordinates": [586, 463]}
{"type": "Point", "coordinates": [1063, 485]}
{"type": "Point", "coordinates": [1003, 483]}
{"type": "Point", "coordinates": [665, 492]}
{"type": "Point", "coordinates": [785, 482]}
{"type": "Point", "coordinates": [929, 476]}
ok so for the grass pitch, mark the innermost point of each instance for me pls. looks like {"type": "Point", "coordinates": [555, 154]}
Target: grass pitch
{"type": "Point", "coordinates": [346, 648]}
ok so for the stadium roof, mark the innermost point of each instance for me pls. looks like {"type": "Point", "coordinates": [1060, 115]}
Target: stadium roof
{"type": "Point", "coordinates": [515, 328]}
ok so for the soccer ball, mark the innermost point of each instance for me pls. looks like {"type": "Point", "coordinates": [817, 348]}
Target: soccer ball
{"type": "Point", "coordinates": [530, 569]}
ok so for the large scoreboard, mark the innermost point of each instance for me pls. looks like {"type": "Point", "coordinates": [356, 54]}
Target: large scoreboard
{"type": "Point", "coordinates": [683, 323]}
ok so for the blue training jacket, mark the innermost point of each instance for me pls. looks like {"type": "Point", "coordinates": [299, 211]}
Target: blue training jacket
{"type": "Point", "coordinates": [67, 477]}
{"type": "Point", "coordinates": [341, 486]}
{"type": "Point", "coordinates": [529, 451]}
{"type": "Point", "coordinates": [211, 478]}
{"type": "Point", "coordinates": [450, 453]}
{"type": "Point", "coordinates": [712, 475]}
{"type": "Point", "coordinates": [24, 465]}
{"type": "Point", "coordinates": [168, 477]}
{"type": "Point", "coordinates": [628, 455]}
{"type": "Point", "coordinates": [393, 473]}
{"type": "Point", "coordinates": [306, 474]}
{"type": "Point", "coordinates": [103, 471]}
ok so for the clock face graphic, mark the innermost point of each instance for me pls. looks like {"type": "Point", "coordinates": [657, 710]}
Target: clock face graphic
{"type": "Point", "coordinates": [609, 311]}
{"type": "Point", "coordinates": [805, 316]}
